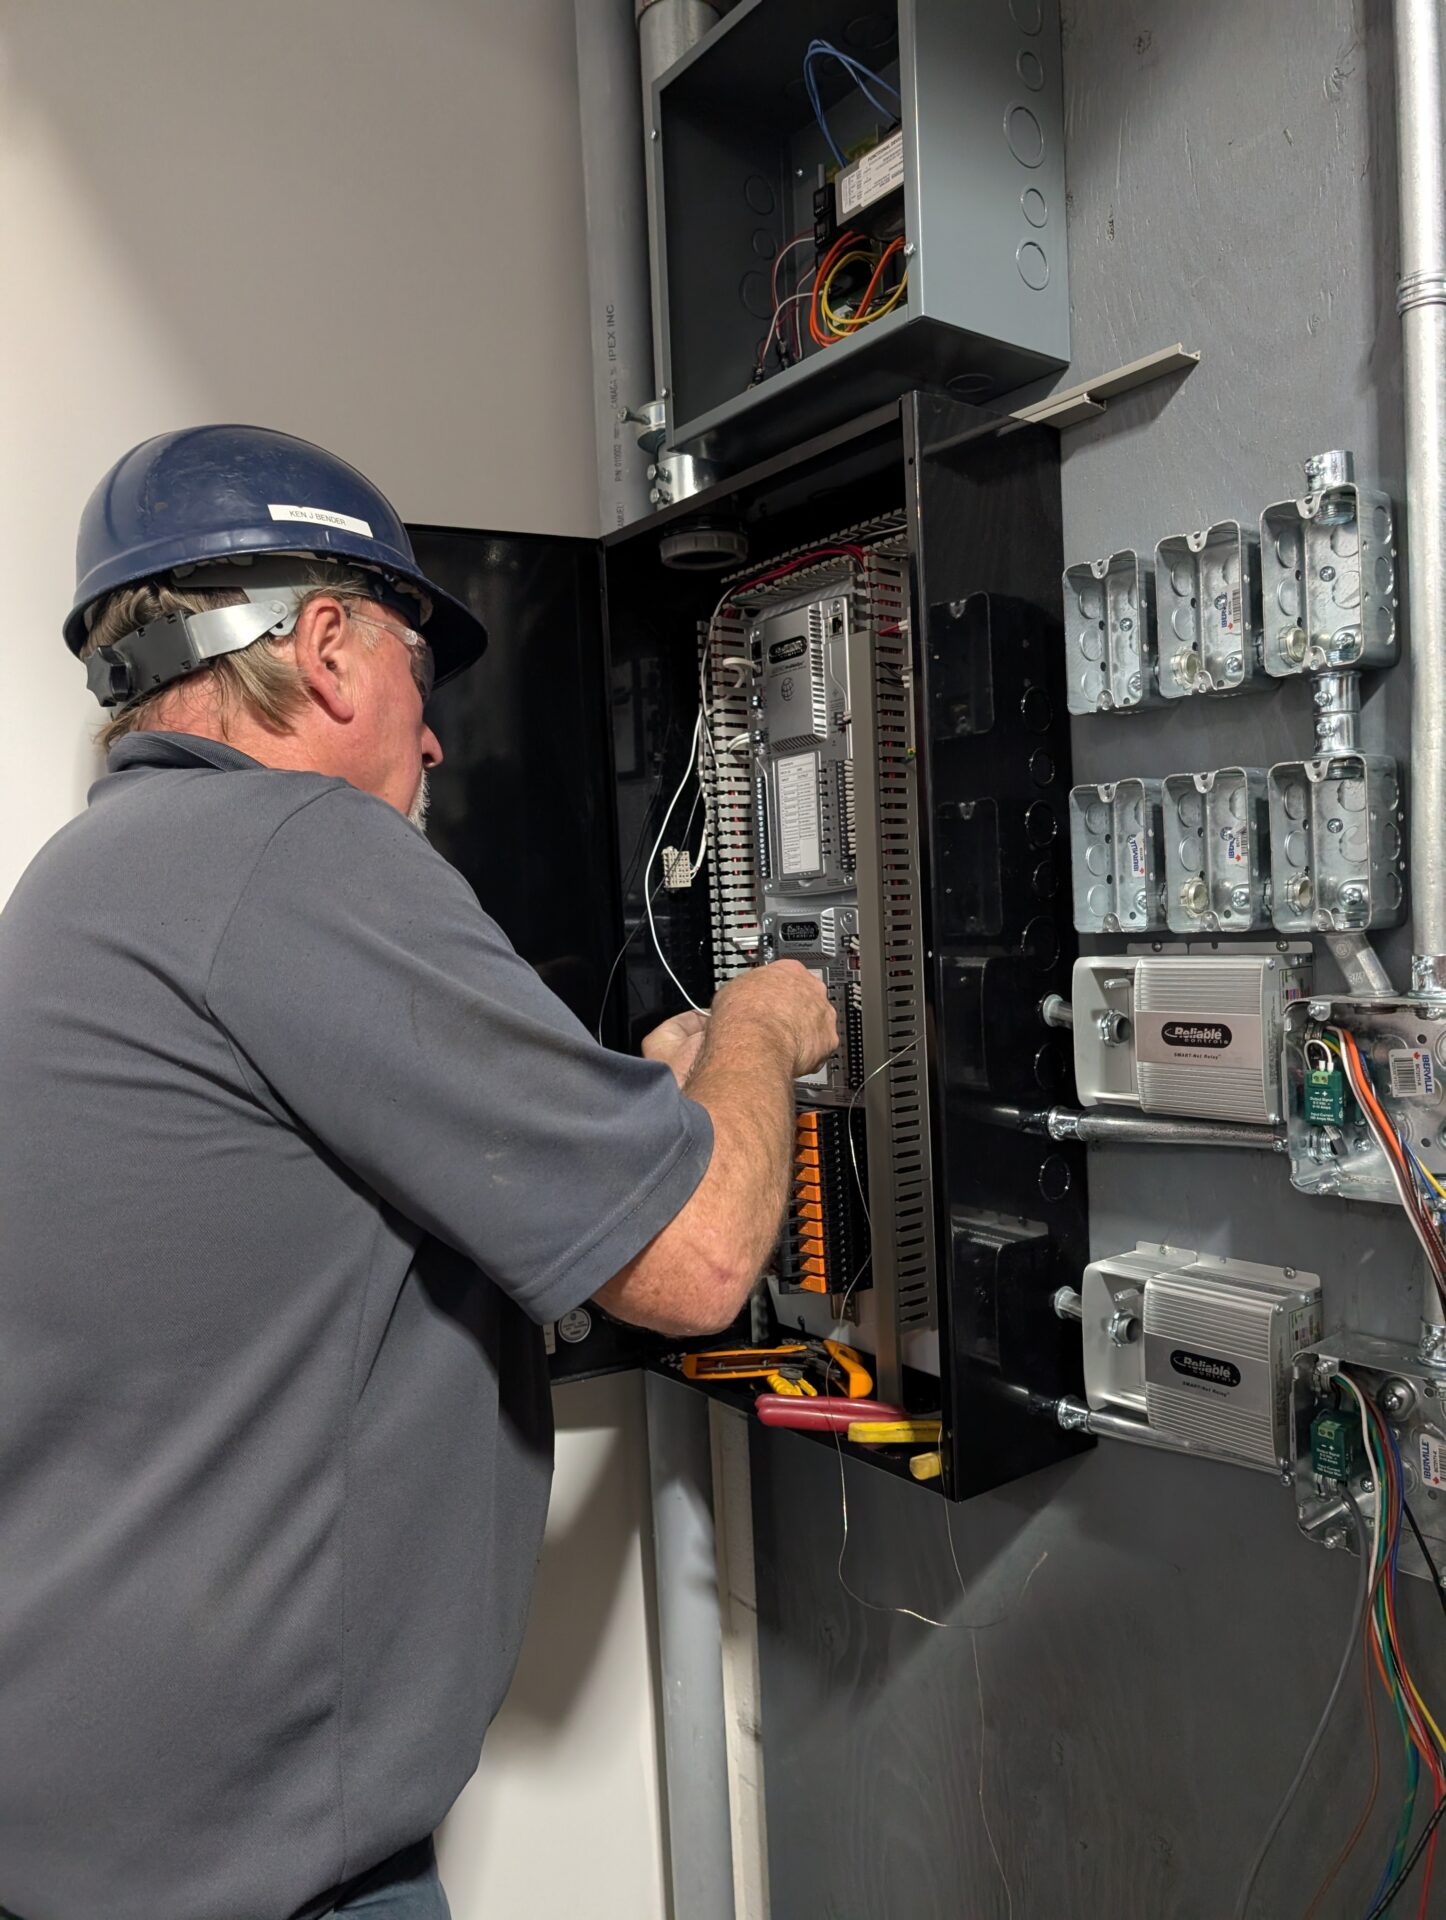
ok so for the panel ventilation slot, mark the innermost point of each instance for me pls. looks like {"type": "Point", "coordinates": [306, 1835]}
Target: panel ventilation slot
{"type": "Point", "coordinates": [882, 595]}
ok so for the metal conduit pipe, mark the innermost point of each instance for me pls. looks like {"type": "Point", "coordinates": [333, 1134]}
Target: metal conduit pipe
{"type": "Point", "coordinates": [1075, 1417]}
{"type": "Point", "coordinates": [666, 30]}
{"type": "Point", "coordinates": [1421, 301]}
{"type": "Point", "coordinates": [1145, 1129]}
{"type": "Point", "coordinates": [1139, 1129]}
{"type": "Point", "coordinates": [1359, 962]}
{"type": "Point", "coordinates": [619, 298]}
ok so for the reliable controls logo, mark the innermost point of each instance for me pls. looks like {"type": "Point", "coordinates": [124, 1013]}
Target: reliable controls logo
{"type": "Point", "coordinates": [786, 650]}
{"type": "Point", "coordinates": [799, 933]}
{"type": "Point", "coordinates": [1202, 1366]}
{"type": "Point", "coordinates": [1213, 1035]}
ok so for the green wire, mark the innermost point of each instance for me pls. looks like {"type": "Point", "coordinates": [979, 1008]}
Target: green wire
{"type": "Point", "coordinates": [1408, 1809]}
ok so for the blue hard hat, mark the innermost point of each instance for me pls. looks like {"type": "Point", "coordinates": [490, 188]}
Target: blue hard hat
{"type": "Point", "coordinates": [209, 494]}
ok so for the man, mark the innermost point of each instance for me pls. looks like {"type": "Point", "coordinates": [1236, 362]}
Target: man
{"type": "Point", "coordinates": [298, 1154]}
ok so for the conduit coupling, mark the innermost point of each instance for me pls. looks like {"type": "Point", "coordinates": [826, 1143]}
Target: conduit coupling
{"type": "Point", "coordinates": [1420, 290]}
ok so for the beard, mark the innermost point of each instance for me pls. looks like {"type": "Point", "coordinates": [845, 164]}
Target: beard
{"type": "Point", "coordinates": [417, 812]}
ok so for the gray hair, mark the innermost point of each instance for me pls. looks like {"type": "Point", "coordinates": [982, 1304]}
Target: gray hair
{"type": "Point", "coordinates": [259, 680]}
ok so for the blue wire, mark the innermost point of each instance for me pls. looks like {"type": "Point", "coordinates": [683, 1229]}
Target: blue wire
{"type": "Point", "coordinates": [857, 72]}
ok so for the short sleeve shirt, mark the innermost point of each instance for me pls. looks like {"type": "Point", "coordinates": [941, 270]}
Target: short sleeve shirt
{"type": "Point", "coordinates": [298, 1155]}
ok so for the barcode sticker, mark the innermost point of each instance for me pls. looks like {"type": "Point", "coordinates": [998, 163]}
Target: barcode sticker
{"type": "Point", "coordinates": [1237, 848]}
{"type": "Point", "coordinates": [1230, 612]}
{"type": "Point", "coordinates": [1413, 1074]}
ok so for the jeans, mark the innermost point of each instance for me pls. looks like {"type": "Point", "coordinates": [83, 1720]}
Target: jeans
{"type": "Point", "coordinates": [406, 1888]}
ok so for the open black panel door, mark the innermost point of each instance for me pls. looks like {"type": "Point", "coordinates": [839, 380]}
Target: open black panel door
{"type": "Point", "coordinates": [523, 801]}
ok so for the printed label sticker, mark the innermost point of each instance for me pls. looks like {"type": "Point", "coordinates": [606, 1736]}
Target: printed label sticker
{"type": "Point", "coordinates": [322, 517]}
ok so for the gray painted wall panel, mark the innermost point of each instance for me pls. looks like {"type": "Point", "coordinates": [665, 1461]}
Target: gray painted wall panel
{"type": "Point", "coordinates": [1146, 1698]}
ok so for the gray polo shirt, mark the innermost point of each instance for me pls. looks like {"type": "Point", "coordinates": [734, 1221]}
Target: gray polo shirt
{"type": "Point", "coordinates": [297, 1154]}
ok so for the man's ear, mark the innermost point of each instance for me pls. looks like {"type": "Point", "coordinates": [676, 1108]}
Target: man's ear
{"type": "Point", "coordinates": [326, 642]}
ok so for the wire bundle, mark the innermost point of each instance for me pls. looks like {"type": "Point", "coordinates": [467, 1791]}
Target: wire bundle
{"type": "Point", "coordinates": [1423, 1744]}
{"type": "Point", "coordinates": [1418, 1190]}
{"type": "Point", "coordinates": [864, 78]}
{"type": "Point", "coordinates": [826, 324]}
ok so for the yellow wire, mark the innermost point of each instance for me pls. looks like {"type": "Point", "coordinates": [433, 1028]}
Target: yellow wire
{"type": "Point", "coordinates": [842, 323]}
{"type": "Point", "coordinates": [839, 321]}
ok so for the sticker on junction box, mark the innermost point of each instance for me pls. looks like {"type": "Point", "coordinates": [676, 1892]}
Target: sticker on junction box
{"type": "Point", "coordinates": [1413, 1076]}
{"type": "Point", "coordinates": [1433, 1459]}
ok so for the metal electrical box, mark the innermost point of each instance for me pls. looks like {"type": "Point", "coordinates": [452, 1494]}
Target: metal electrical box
{"type": "Point", "coordinates": [965, 169]}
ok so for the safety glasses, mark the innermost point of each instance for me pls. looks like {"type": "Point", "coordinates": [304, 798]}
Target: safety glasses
{"type": "Point", "coordinates": [424, 665]}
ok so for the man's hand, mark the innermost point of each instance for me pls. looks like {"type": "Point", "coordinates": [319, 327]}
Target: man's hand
{"type": "Point", "coordinates": [765, 1029]}
{"type": "Point", "coordinates": [678, 1041]}
{"type": "Point", "coordinates": [786, 998]}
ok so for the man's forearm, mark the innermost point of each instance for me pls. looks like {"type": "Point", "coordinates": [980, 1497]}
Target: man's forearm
{"type": "Point", "coordinates": [697, 1274]}
{"type": "Point", "coordinates": [742, 1079]}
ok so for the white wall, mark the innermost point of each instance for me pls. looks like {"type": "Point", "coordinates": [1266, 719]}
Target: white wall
{"type": "Point", "coordinates": [562, 1818]}
{"type": "Point", "coordinates": [361, 221]}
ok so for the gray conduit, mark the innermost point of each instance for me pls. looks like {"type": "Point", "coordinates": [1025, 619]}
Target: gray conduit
{"type": "Point", "coordinates": [1421, 301]}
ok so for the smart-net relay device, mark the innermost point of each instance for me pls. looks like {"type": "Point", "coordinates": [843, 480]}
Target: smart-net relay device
{"type": "Point", "coordinates": [1202, 1347]}
{"type": "Point", "coordinates": [1184, 1031]}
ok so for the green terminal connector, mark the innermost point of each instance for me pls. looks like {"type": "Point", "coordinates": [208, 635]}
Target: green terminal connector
{"type": "Point", "coordinates": [1325, 1097]}
{"type": "Point", "coordinates": [1337, 1451]}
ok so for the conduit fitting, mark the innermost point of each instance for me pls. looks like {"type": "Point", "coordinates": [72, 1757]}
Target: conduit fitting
{"type": "Point", "coordinates": [1068, 1305]}
{"type": "Point", "coordinates": [1336, 697]}
{"type": "Point", "coordinates": [1056, 1011]}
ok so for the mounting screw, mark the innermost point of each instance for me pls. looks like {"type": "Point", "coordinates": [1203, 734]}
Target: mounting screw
{"type": "Point", "coordinates": [1397, 1398]}
{"type": "Point", "coordinates": [1368, 1486]}
{"type": "Point", "coordinates": [909, 249]}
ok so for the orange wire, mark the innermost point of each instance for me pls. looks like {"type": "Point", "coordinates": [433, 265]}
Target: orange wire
{"type": "Point", "coordinates": [1367, 1094]}
{"type": "Point", "coordinates": [835, 252]}
{"type": "Point", "coordinates": [858, 317]}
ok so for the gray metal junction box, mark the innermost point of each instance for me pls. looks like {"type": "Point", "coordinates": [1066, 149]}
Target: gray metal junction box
{"type": "Point", "coordinates": [738, 157]}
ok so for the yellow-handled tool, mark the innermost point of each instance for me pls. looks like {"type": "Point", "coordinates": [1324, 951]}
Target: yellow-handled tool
{"type": "Point", "coordinates": [895, 1433]}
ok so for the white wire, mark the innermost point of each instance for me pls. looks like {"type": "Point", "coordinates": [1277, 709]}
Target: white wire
{"type": "Point", "coordinates": [1377, 1499]}
{"type": "Point", "coordinates": [849, 1129]}
{"type": "Point", "coordinates": [983, 1810]}
{"type": "Point", "coordinates": [689, 772]}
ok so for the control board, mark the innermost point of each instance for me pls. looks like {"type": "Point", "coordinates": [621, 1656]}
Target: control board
{"type": "Point", "coordinates": [815, 813]}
